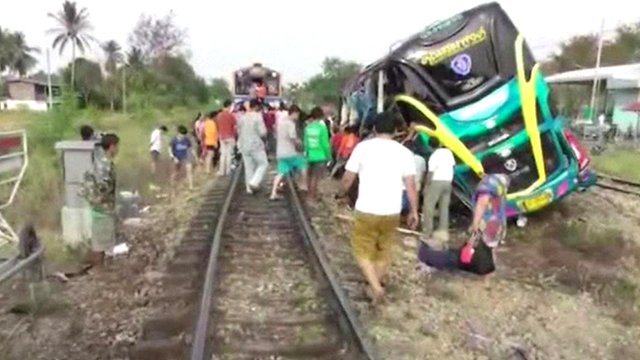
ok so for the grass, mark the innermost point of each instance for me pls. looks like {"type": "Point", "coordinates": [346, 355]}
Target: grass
{"type": "Point", "coordinates": [621, 162]}
{"type": "Point", "coordinates": [40, 197]}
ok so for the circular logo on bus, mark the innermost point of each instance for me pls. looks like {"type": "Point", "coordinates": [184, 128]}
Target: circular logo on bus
{"type": "Point", "coordinates": [511, 164]}
{"type": "Point", "coordinates": [461, 64]}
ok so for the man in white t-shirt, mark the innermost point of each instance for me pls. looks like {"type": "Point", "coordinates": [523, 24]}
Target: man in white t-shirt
{"type": "Point", "coordinates": [155, 146]}
{"type": "Point", "coordinates": [438, 192]}
{"type": "Point", "coordinates": [383, 166]}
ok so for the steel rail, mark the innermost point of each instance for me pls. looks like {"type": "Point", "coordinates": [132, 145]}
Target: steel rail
{"type": "Point", "coordinates": [618, 180]}
{"type": "Point", "coordinates": [361, 339]}
{"type": "Point", "coordinates": [617, 189]}
{"type": "Point", "coordinates": [16, 265]}
{"type": "Point", "coordinates": [202, 323]}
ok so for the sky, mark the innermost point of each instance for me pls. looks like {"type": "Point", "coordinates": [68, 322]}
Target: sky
{"type": "Point", "coordinates": [294, 37]}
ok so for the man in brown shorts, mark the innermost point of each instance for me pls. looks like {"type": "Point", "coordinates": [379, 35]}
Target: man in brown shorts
{"type": "Point", "coordinates": [383, 166]}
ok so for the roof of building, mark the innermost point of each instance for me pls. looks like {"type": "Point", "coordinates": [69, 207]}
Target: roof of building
{"type": "Point", "coordinates": [628, 72]}
{"type": "Point", "coordinates": [35, 79]}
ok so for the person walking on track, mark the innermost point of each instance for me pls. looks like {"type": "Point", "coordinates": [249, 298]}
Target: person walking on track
{"type": "Point", "coordinates": [227, 133]}
{"type": "Point", "coordinates": [251, 134]}
{"type": "Point", "coordinates": [210, 139]}
{"type": "Point", "coordinates": [317, 149]}
{"type": "Point", "coordinates": [288, 148]}
{"type": "Point", "coordinates": [383, 166]}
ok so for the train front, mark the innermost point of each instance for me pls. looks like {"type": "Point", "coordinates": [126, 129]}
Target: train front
{"type": "Point", "coordinates": [487, 95]}
{"type": "Point", "coordinates": [257, 81]}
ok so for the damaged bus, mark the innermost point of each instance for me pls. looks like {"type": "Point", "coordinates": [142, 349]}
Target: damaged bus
{"type": "Point", "coordinates": [472, 82]}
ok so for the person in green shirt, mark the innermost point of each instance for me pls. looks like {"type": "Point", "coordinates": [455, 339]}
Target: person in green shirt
{"type": "Point", "coordinates": [317, 149]}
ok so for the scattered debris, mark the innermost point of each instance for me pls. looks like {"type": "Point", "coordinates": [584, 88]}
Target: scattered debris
{"type": "Point", "coordinates": [121, 249]}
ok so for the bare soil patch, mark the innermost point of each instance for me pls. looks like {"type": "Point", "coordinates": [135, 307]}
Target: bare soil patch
{"type": "Point", "coordinates": [98, 316]}
{"type": "Point", "coordinates": [566, 288]}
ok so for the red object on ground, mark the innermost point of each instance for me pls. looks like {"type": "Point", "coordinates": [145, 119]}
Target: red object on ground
{"type": "Point", "coordinates": [466, 254]}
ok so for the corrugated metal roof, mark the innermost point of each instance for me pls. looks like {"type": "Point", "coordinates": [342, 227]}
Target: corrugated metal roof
{"type": "Point", "coordinates": [620, 72]}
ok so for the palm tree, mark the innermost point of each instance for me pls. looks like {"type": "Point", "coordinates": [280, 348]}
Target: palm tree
{"type": "Point", "coordinates": [74, 27]}
{"type": "Point", "coordinates": [5, 50]}
{"type": "Point", "coordinates": [135, 57]}
{"type": "Point", "coordinates": [23, 61]}
{"type": "Point", "coordinates": [15, 54]}
{"type": "Point", "coordinates": [114, 56]}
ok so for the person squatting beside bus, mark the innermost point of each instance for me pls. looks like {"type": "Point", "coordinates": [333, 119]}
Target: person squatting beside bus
{"type": "Point", "coordinates": [487, 230]}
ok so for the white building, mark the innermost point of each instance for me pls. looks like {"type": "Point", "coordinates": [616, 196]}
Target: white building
{"type": "Point", "coordinates": [620, 84]}
{"type": "Point", "coordinates": [27, 94]}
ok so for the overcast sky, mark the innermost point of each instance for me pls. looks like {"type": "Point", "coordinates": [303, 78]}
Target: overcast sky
{"type": "Point", "coordinates": [294, 36]}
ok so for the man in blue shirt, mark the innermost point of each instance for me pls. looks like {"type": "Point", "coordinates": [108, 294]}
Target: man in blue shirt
{"type": "Point", "coordinates": [182, 155]}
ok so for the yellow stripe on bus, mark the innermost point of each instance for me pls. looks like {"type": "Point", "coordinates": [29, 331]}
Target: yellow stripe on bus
{"type": "Point", "coordinates": [527, 89]}
{"type": "Point", "coordinates": [442, 132]}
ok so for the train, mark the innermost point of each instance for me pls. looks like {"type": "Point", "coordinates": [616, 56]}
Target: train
{"type": "Point", "coordinates": [245, 80]}
{"type": "Point", "coordinates": [472, 82]}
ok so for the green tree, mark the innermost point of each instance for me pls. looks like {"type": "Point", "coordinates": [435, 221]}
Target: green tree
{"type": "Point", "coordinates": [219, 89]}
{"type": "Point", "coordinates": [73, 27]}
{"type": "Point", "coordinates": [113, 57]}
{"type": "Point", "coordinates": [157, 37]}
{"type": "Point", "coordinates": [15, 54]}
{"type": "Point", "coordinates": [135, 58]}
{"type": "Point", "coordinates": [328, 85]}
{"type": "Point", "coordinates": [89, 81]}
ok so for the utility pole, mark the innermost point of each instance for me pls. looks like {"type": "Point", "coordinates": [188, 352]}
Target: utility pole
{"type": "Point", "coordinates": [49, 87]}
{"type": "Point", "coordinates": [124, 88]}
{"type": "Point", "coordinates": [596, 81]}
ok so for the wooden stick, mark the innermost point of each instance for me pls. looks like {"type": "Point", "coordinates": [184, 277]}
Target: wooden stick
{"type": "Point", "coordinates": [399, 229]}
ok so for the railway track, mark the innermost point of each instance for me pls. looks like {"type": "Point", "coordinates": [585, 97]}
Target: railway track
{"type": "Point", "coordinates": [250, 281]}
{"type": "Point", "coordinates": [618, 185]}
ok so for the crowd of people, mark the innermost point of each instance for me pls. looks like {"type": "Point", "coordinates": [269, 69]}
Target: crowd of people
{"type": "Point", "coordinates": [389, 176]}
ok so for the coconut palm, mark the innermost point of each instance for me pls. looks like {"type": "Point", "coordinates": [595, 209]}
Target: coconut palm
{"type": "Point", "coordinates": [135, 57]}
{"type": "Point", "coordinates": [73, 27]}
{"type": "Point", "coordinates": [6, 49]}
{"type": "Point", "coordinates": [23, 61]}
{"type": "Point", "coordinates": [15, 54]}
{"type": "Point", "coordinates": [114, 56]}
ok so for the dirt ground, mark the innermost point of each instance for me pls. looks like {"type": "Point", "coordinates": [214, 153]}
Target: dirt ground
{"type": "Point", "coordinates": [98, 315]}
{"type": "Point", "coordinates": [566, 288]}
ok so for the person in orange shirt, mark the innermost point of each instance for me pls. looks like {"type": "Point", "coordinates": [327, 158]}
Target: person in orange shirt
{"type": "Point", "coordinates": [348, 142]}
{"type": "Point", "coordinates": [210, 141]}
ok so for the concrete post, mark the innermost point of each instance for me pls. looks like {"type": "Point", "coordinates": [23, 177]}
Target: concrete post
{"type": "Point", "coordinates": [77, 159]}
